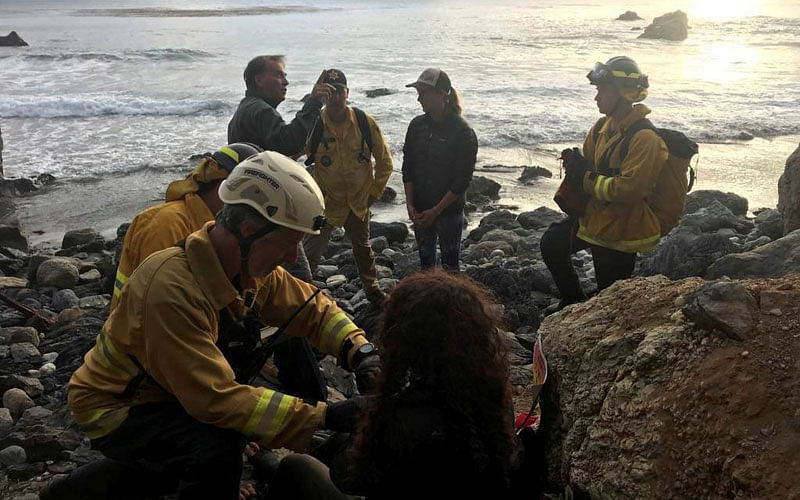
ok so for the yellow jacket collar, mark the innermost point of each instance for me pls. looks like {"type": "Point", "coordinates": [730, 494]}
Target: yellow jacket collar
{"type": "Point", "coordinates": [206, 267]}
{"type": "Point", "coordinates": [639, 112]}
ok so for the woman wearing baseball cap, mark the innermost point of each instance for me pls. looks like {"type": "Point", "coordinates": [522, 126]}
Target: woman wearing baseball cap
{"type": "Point", "coordinates": [438, 161]}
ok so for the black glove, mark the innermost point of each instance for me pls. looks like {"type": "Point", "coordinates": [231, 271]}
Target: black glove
{"type": "Point", "coordinates": [342, 416]}
{"type": "Point", "coordinates": [575, 166]}
{"type": "Point", "coordinates": [367, 372]}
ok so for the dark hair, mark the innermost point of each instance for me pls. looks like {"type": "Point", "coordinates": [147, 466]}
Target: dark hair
{"type": "Point", "coordinates": [256, 66]}
{"type": "Point", "coordinates": [231, 216]}
{"type": "Point", "coordinates": [440, 333]}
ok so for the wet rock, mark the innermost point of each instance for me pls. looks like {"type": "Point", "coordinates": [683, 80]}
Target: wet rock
{"type": "Point", "coordinates": [714, 217]}
{"type": "Point", "coordinates": [684, 252]}
{"type": "Point", "coordinates": [29, 385]}
{"type": "Point", "coordinates": [64, 299]}
{"type": "Point", "coordinates": [778, 258]}
{"type": "Point", "coordinates": [23, 472]}
{"type": "Point", "coordinates": [12, 236]}
{"type": "Point", "coordinates": [337, 377]}
{"type": "Point", "coordinates": [379, 244]}
{"type": "Point", "coordinates": [502, 219]}
{"type": "Point", "coordinates": [482, 186]}
{"type": "Point", "coordinates": [47, 369]}
{"type": "Point", "coordinates": [12, 40]}
{"type": "Point", "coordinates": [542, 217]}
{"type": "Point", "coordinates": [94, 302]}
{"type": "Point", "coordinates": [49, 357]}
{"type": "Point", "coordinates": [388, 195]}
{"type": "Point", "coordinates": [34, 415]}
{"type": "Point", "coordinates": [479, 252]}
{"type": "Point", "coordinates": [336, 280]}
{"type": "Point", "coordinates": [789, 193]}
{"type": "Point", "coordinates": [21, 334]}
{"type": "Point", "coordinates": [704, 198]}
{"type": "Point", "coordinates": [90, 275]}
{"type": "Point", "coordinates": [395, 232]}
{"type": "Point", "coordinates": [13, 455]}
{"type": "Point", "coordinates": [57, 272]}
{"type": "Point", "coordinates": [6, 422]}
{"type": "Point", "coordinates": [81, 238]}
{"type": "Point", "coordinates": [25, 352]}
{"type": "Point", "coordinates": [379, 92]}
{"type": "Point", "coordinates": [629, 15]}
{"type": "Point", "coordinates": [769, 222]}
{"type": "Point", "coordinates": [324, 272]}
{"type": "Point", "coordinates": [724, 305]}
{"type": "Point", "coordinates": [531, 174]}
{"type": "Point", "coordinates": [17, 402]}
{"type": "Point", "coordinates": [12, 282]}
{"type": "Point", "coordinates": [673, 26]}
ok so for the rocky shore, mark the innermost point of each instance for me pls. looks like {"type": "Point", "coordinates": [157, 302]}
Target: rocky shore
{"type": "Point", "coordinates": [679, 383]}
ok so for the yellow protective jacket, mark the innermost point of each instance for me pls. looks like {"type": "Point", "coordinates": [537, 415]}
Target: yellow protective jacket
{"type": "Point", "coordinates": [617, 215]}
{"type": "Point", "coordinates": [346, 183]}
{"type": "Point", "coordinates": [156, 229]}
{"type": "Point", "coordinates": [166, 318]}
{"type": "Point", "coordinates": [164, 225]}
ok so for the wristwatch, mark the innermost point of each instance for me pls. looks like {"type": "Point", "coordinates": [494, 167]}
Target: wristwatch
{"type": "Point", "coordinates": [362, 352]}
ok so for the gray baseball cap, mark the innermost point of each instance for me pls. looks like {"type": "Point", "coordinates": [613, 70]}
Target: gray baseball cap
{"type": "Point", "coordinates": [433, 77]}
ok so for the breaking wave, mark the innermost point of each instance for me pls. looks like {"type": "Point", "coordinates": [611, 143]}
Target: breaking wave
{"type": "Point", "coordinates": [126, 56]}
{"type": "Point", "coordinates": [166, 12]}
{"type": "Point", "coordinates": [103, 105]}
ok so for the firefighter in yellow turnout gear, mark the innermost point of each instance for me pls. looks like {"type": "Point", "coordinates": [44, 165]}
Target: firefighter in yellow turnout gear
{"type": "Point", "coordinates": [190, 203]}
{"type": "Point", "coordinates": [618, 222]}
{"type": "Point", "coordinates": [156, 390]}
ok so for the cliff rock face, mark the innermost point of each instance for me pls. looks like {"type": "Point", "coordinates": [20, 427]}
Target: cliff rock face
{"type": "Point", "coordinates": [789, 193]}
{"type": "Point", "coordinates": [672, 26]}
{"type": "Point", "coordinates": [641, 402]}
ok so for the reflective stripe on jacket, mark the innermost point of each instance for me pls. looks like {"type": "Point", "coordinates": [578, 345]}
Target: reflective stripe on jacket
{"type": "Point", "coordinates": [167, 318]}
{"type": "Point", "coordinates": [346, 182]}
{"type": "Point", "coordinates": [618, 216]}
{"type": "Point", "coordinates": [156, 229]}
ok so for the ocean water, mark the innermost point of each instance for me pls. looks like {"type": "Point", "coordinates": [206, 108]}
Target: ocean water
{"type": "Point", "coordinates": [113, 97]}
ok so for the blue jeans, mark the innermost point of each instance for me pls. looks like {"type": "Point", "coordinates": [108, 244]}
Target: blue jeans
{"type": "Point", "coordinates": [447, 230]}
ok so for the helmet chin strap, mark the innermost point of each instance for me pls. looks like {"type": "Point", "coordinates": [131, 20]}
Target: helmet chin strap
{"type": "Point", "coordinates": [245, 242]}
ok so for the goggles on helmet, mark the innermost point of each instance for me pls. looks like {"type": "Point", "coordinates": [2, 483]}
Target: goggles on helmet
{"type": "Point", "coordinates": [602, 73]}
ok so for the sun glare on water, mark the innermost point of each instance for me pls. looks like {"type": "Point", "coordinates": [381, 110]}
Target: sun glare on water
{"type": "Point", "coordinates": [724, 9]}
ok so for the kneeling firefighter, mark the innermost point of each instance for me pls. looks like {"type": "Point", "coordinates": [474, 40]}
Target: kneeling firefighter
{"type": "Point", "coordinates": [157, 396]}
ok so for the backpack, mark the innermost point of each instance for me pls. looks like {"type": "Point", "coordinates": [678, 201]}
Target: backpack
{"type": "Point", "coordinates": [668, 198]}
{"type": "Point", "coordinates": [315, 137]}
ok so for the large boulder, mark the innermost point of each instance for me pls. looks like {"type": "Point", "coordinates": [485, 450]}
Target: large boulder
{"type": "Point", "coordinates": [704, 198]}
{"type": "Point", "coordinates": [11, 234]}
{"type": "Point", "coordinates": [483, 186]}
{"type": "Point", "coordinates": [641, 403]}
{"type": "Point", "coordinates": [58, 272]}
{"type": "Point", "coordinates": [395, 232]}
{"type": "Point", "coordinates": [671, 26]}
{"type": "Point", "coordinates": [778, 258]}
{"type": "Point", "coordinates": [83, 238]}
{"type": "Point", "coordinates": [531, 174]}
{"type": "Point", "coordinates": [540, 218]}
{"type": "Point", "coordinates": [685, 252]}
{"type": "Point", "coordinates": [789, 193]}
{"type": "Point", "coordinates": [716, 216]}
{"type": "Point", "coordinates": [12, 40]}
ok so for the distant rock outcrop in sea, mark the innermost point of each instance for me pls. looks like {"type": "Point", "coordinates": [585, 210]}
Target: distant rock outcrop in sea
{"type": "Point", "coordinates": [380, 92]}
{"type": "Point", "coordinates": [12, 40]}
{"type": "Point", "coordinates": [629, 15]}
{"type": "Point", "coordinates": [673, 26]}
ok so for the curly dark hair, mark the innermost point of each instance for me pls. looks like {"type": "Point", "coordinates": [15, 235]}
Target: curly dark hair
{"type": "Point", "coordinates": [441, 344]}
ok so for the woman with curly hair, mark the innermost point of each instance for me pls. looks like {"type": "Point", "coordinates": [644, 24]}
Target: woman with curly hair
{"type": "Point", "coordinates": [440, 423]}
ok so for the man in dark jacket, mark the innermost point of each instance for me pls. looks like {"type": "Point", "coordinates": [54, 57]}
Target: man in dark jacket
{"type": "Point", "coordinates": [257, 120]}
